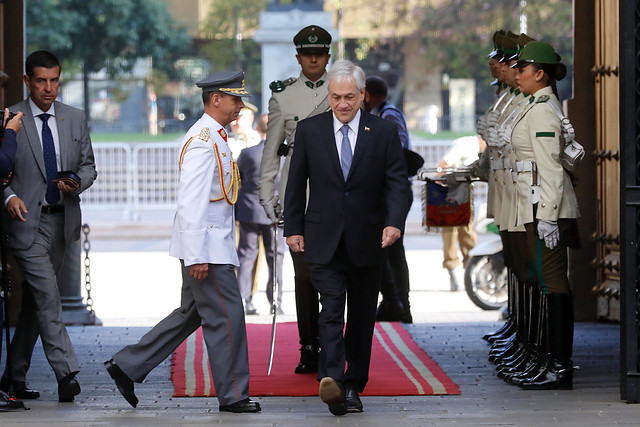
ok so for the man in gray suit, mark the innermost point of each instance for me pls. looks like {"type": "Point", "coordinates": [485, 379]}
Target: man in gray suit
{"type": "Point", "coordinates": [42, 217]}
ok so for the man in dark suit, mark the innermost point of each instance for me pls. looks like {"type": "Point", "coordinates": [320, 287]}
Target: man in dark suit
{"type": "Point", "coordinates": [356, 207]}
{"type": "Point", "coordinates": [253, 223]}
{"type": "Point", "coordinates": [42, 217]}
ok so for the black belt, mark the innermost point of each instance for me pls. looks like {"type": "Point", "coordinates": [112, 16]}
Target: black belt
{"type": "Point", "coordinates": [52, 209]}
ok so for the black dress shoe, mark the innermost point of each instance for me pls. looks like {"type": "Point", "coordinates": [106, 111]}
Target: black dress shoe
{"type": "Point", "coordinates": [123, 382]}
{"type": "Point", "coordinates": [352, 399]}
{"type": "Point", "coordinates": [8, 403]}
{"type": "Point", "coordinates": [68, 388]}
{"type": "Point", "coordinates": [332, 394]}
{"type": "Point", "coordinates": [18, 389]}
{"type": "Point", "coordinates": [246, 405]}
{"type": "Point", "coordinates": [308, 360]}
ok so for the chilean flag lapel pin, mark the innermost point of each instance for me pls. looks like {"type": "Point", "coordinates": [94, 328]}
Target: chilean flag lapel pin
{"type": "Point", "coordinates": [366, 129]}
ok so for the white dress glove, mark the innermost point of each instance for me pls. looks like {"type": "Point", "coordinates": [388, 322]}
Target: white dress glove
{"type": "Point", "coordinates": [270, 209]}
{"type": "Point", "coordinates": [492, 118]}
{"type": "Point", "coordinates": [504, 136]}
{"type": "Point", "coordinates": [491, 136]}
{"type": "Point", "coordinates": [550, 232]}
{"type": "Point", "coordinates": [481, 126]}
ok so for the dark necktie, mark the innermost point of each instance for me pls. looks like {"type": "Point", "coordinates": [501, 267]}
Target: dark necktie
{"type": "Point", "coordinates": [50, 165]}
{"type": "Point", "coordinates": [345, 152]}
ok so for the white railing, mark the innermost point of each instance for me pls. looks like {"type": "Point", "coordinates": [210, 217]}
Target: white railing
{"type": "Point", "coordinates": [144, 176]}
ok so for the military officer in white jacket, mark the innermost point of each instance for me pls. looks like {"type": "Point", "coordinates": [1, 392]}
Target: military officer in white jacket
{"type": "Point", "coordinates": [204, 240]}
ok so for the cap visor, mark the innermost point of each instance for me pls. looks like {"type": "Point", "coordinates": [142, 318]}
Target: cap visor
{"type": "Point", "coordinates": [521, 64]}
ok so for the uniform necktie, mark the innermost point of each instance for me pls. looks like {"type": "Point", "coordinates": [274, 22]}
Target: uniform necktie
{"type": "Point", "coordinates": [345, 152]}
{"type": "Point", "coordinates": [50, 164]}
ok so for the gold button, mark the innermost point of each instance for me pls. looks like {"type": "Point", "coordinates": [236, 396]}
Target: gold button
{"type": "Point", "coordinates": [211, 226]}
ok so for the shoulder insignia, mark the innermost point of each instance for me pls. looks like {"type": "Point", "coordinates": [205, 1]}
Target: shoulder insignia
{"type": "Point", "coordinates": [279, 85]}
{"type": "Point", "coordinates": [542, 98]}
{"type": "Point", "coordinates": [204, 134]}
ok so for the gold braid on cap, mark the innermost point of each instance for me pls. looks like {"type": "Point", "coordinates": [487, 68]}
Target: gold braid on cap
{"type": "Point", "coordinates": [234, 184]}
{"type": "Point", "coordinates": [238, 90]}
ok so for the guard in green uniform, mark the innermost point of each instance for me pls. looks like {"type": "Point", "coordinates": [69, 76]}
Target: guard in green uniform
{"type": "Point", "coordinates": [292, 100]}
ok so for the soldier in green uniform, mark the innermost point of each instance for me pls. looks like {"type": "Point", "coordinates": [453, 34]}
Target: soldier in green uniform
{"type": "Point", "coordinates": [292, 100]}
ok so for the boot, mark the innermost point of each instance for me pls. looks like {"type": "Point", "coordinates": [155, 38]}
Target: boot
{"type": "Point", "coordinates": [308, 359]}
{"type": "Point", "coordinates": [558, 374]}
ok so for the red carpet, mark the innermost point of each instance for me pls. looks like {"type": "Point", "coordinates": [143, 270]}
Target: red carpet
{"type": "Point", "coordinates": [398, 365]}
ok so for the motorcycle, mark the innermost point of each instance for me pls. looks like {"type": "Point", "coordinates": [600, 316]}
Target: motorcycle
{"type": "Point", "coordinates": [485, 275]}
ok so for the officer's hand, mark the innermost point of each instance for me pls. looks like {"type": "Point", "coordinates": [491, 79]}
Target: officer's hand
{"type": "Point", "coordinates": [16, 207]}
{"type": "Point", "coordinates": [550, 232]}
{"type": "Point", "coordinates": [270, 209]}
{"type": "Point", "coordinates": [199, 271]}
{"type": "Point", "coordinates": [14, 124]}
{"type": "Point", "coordinates": [389, 236]}
{"type": "Point", "coordinates": [481, 126]}
{"type": "Point", "coordinates": [492, 118]}
{"type": "Point", "coordinates": [491, 136]}
{"type": "Point", "coordinates": [296, 243]}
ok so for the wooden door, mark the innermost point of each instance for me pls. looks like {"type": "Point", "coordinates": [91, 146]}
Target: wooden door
{"type": "Point", "coordinates": [607, 156]}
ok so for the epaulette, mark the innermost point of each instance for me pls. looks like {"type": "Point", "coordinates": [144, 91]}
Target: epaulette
{"type": "Point", "coordinates": [204, 134]}
{"type": "Point", "coordinates": [279, 85]}
{"type": "Point", "coordinates": [542, 98]}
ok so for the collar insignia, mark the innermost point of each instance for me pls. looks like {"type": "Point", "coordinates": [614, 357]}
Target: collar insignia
{"type": "Point", "coordinates": [223, 134]}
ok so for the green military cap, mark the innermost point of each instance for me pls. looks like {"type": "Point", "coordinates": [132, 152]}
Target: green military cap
{"type": "Point", "coordinates": [523, 39]}
{"type": "Point", "coordinates": [230, 82]}
{"type": "Point", "coordinates": [312, 37]}
{"type": "Point", "coordinates": [497, 44]}
{"type": "Point", "coordinates": [537, 52]}
{"type": "Point", "coordinates": [509, 45]}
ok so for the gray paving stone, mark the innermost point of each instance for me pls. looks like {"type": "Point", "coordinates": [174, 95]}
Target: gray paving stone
{"type": "Point", "coordinates": [457, 347]}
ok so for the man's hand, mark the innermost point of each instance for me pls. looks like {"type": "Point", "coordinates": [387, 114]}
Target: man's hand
{"type": "Point", "coordinates": [296, 243]}
{"type": "Point", "coordinates": [199, 271]}
{"type": "Point", "coordinates": [16, 207]}
{"type": "Point", "coordinates": [68, 186]}
{"type": "Point", "coordinates": [389, 236]}
{"type": "Point", "coordinates": [14, 124]}
{"type": "Point", "coordinates": [269, 206]}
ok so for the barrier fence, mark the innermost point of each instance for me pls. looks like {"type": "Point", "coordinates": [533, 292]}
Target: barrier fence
{"type": "Point", "coordinates": [132, 178]}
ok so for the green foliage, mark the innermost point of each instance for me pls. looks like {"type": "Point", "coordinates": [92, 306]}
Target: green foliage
{"type": "Point", "coordinates": [228, 47]}
{"type": "Point", "coordinates": [456, 34]}
{"type": "Point", "coordinates": [104, 33]}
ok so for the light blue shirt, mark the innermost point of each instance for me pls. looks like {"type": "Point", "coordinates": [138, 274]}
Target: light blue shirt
{"type": "Point", "coordinates": [353, 132]}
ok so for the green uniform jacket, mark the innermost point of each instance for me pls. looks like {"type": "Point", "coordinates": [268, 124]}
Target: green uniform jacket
{"type": "Point", "coordinates": [289, 104]}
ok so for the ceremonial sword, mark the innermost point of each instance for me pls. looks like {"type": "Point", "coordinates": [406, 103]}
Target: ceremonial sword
{"type": "Point", "coordinates": [274, 285]}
